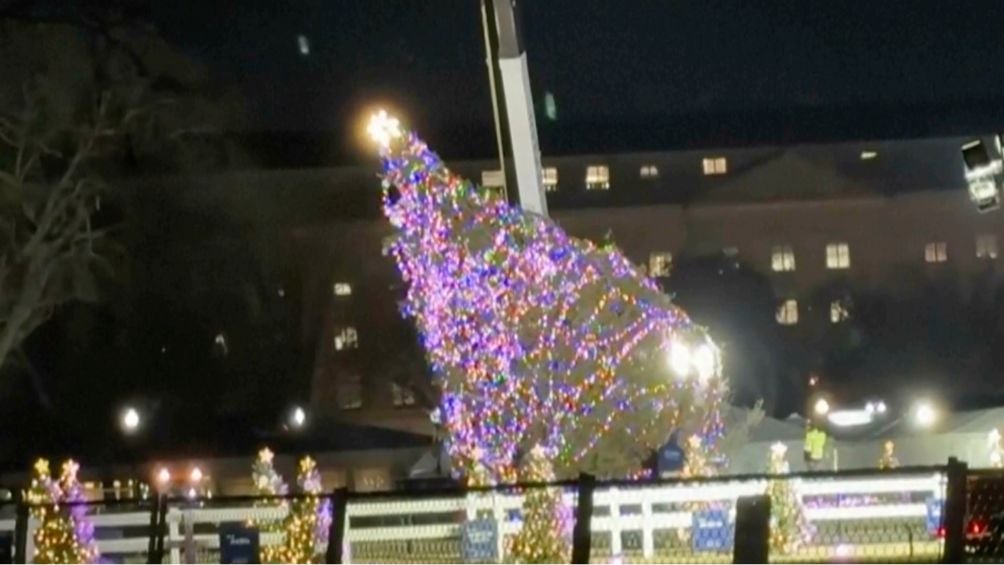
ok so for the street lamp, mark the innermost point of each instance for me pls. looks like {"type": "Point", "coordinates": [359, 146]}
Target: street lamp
{"type": "Point", "coordinates": [924, 414]}
{"type": "Point", "coordinates": [679, 358]}
{"type": "Point", "coordinates": [297, 418]}
{"type": "Point", "coordinates": [821, 407]}
{"type": "Point", "coordinates": [130, 420]}
{"type": "Point", "coordinates": [163, 478]}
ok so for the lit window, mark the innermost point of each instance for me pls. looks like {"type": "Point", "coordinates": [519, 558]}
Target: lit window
{"type": "Point", "coordinates": [304, 44]}
{"type": "Point", "coordinates": [492, 179]}
{"type": "Point", "coordinates": [342, 289]}
{"type": "Point", "coordinates": [838, 256]}
{"type": "Point", "coordinates": [346, 338]}
{"type": "Point", "coordinates": [986, 246]}
{"type": "Point", "coordinates": [715, 165]}
{"type": "Point", "coordinates": [787, 313]}
{"type": "Point", "coordinates": [782, 258]}
{"type": "Point", "coordinates": [350, 392]}
{"type": "Point", "coordinates": [597, 177]}
{"type": "Point", "coordinates": [838, 312]}
{"type": "Point", "coordinates": [936, 252]}
{"type": "Point", "coordinates": [220, 342]}
{"type": "Point", "coordinates": [660, 264]}
{"type": "Point", "coordinates": [868, 155]}
{"type": "Point", "coordinates": [549, 176]}
{"type": "Point", "coordinates": [733, 253]}
{"type": "Point", "coordinates": [402, 395]}
{"type": "Point", "coordinates": [649, 172]}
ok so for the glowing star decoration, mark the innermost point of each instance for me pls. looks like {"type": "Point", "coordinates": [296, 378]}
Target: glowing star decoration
{"type": "Point", "coordinates": [384, 128]}
{"type": "Point", "coordinates": [536, 337]}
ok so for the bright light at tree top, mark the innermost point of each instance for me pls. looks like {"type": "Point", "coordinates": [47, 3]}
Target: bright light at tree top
{"type": "Point", "coordinates": [383, 128]}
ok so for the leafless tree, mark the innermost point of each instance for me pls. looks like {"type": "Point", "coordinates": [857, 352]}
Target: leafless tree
{"type": "Point", "coordinates": [78, 104]}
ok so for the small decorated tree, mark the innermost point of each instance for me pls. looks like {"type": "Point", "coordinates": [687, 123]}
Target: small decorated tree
{"type": "Point", "coordinates": [267, 482]}
{"type": "Point", "coordinates": [64, 534]}
{"type": "Point", "coordinates": [888, 459]}
{"type": "Point", "coordinates": [300, 525]}
{"type": "Point", "coordinates": [544, 537]}
{"type": "Point", "coordinates": [789, 528]}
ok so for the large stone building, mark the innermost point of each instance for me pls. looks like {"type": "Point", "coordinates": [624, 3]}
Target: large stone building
{"type": "Point", "coordinates": [878, 216]}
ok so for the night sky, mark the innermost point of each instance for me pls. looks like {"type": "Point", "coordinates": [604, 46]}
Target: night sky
{"type": "Point", "coordinates": [762, 71]}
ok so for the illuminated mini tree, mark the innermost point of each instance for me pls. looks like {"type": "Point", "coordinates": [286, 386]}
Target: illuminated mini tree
{"type": "Point", "coordinates": [888, 459]}
{"type": "Point", "coordinates": [300, 525]}
{"type": "Point", "coordinates": [64, 534]}
{"type": "Point", "coordinates": [268, 483]}
{"type": "Point", "coordinates": [789, 528]}
{"type": "Point", "coordinates": [536, 337]}
{"type": "Point", "coordinates": [544, 536]}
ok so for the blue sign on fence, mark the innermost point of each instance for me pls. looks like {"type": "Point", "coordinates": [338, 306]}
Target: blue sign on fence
{"type": "Point", "coordinates": [934, 509]}
{"type": "Point", "coordinates": [238, 544]}
{"type": "Point", "coordinates": [711, 530]}
{"type": "Point", "coordinates": [479, 541]}
{"type": "Point", "coordinates": [670, 457]}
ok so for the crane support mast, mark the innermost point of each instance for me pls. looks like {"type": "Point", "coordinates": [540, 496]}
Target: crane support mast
{"type": "Point", "coordinates": [517, 100]}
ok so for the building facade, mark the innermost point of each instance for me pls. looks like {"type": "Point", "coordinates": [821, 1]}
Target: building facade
{"type": "Point", "coordinates": [878, 217]}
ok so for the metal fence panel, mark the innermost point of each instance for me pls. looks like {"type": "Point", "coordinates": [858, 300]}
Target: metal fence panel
{"type": "Point", "coordinates": [984, 528]}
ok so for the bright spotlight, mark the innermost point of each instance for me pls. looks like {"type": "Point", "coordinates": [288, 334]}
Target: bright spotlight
{"type": "Point", "coordinates": [297, 418]}
{"type": "Point", "coordinates": [130, 420]}
{"type": "Point", "coordinates": [196, 475]}
{"type": "Point", "coordinates": [163, 476]}
{"type": "Point", "coordinates": [383, 128]}
{"type": "Point", "coordinates": [821, 407]}
{"type": "Point", "coordinates": [679, 359]}
{"type": "Point", "coordinates": [880, 407]}
{"type": "Point", "coordinates": [704, 361]}
{"type": "Point", "coordinates": [850, 418]}
{"type": "Point", "coordinates": [924, 414]}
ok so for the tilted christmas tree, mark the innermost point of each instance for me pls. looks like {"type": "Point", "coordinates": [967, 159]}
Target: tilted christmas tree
{"type": "Point", "coordinates": [536, 337]}
{"type": "Point", "coordinates": [267, 483]}
{"type": "Point", "coordinates": [64, 533]}
{"type": "Point", "coordinates": [789, 528]}
{"type": "Point", "coordinates": [545, 536]}
{"type": "Point", "coordinates": [300, 525]}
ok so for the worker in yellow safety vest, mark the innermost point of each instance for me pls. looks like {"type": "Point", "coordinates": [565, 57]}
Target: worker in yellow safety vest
{"type": "Point", "coordinates": [815, 446]}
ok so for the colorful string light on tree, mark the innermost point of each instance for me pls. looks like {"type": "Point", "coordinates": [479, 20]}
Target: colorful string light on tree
{"type": "Point", "coordinates": [268, 483]}
{"type": "Point", "coordinates": [536, 337]}
{"type": "Point", "coordinates": [64, 533]}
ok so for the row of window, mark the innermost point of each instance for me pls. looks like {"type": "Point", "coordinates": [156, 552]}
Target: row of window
{"type": "Point", "coordinates": [787, 312]}
{"type": "Point", "coordinates": [349, 392]}
{"type": "Point", "coordinates": [838, 255]}
{"type": "Point", "coordinates": [598, 176]}
{"type": "Point", "coordinates": [937, 251]}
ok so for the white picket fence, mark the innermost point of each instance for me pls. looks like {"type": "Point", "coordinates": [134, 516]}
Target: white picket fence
{"type": "Point", "coordinates": [621, 509]}
{"type": "Point", "coordinates": [176, 540]}
{"type": "Point", "coordinates": [632, 508]}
